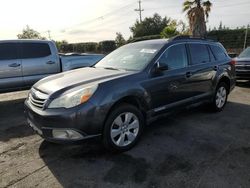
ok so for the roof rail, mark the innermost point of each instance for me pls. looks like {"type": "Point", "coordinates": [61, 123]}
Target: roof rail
{"type": "Point", "coordinates": [183, 37]}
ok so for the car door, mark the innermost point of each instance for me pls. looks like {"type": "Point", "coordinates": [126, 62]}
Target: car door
{"type": "Point", "coordinates": [38, 61]}
{"type": "Point", "coordinates": [10, 66]}
{"type": "Point", "coordinates": [201, 70]}
{"type": "Point", "coordinates": [168, 88]}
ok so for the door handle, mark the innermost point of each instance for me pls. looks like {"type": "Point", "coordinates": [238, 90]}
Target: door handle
{"type": "Point", "coordinates": [50, 62]}
{"type": "Point", "coordinates": [215, 68]}
{"type": "Point", "coordinates": [188, 74]}
{"type": "Point", "coordinates": [14, 65]}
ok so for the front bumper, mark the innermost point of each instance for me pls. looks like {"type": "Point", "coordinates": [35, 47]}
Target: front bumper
{"type": "Point", "coordinates": [85, 120]}
{"type": "Point", "coordinates": [242, 75]}
{"type": "Point", "coordinates": [243, 71]}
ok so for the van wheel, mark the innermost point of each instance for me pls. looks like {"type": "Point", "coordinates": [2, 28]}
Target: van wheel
{"type": "Point", "coordinates": [220, 97]}
{"type": "Point", "coordinates": [123, 128]}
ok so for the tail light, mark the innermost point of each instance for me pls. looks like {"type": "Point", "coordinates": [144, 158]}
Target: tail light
{"type": "Point", "coordinates": [233, 62]}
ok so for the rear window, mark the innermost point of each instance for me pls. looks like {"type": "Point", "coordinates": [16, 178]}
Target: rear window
{"type": "Point", "coordinates": [8, 51]}
{"type": "Point", "coordinates": [35, 50]}
{"type": "Point", "coordinates": [218, 52]}
{"type": "Point", "coordinates": [199, 54]}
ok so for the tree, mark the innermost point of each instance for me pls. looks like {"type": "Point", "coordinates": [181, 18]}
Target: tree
{"type": "Point", "coordinates": [119, 40]}
{"type": "Point", "coordinates": [29, 33]}
{"type": "Point", "coordinates": [220, 26]}
{"type": "Point", "coordinates": [149, 26]}
{"type": "Point", "coordinates": [107, 46]}
{"type": "Point", "coordinates": [170, 30]}
{"type": "Point", "coordinates": [183, 28]}
{"type": "Point", "coordinates": [61, 45]}
{"type": "Point", "coordinates": [230, 38]}
{"type": "Point", "coordinates": [175, 28]}
{"type": "Point", "coordinates": [197, 13]}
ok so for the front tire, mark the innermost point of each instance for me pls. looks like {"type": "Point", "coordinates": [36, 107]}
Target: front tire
{"type": "Point", "coordinates": [220, 97]}
{"type": "Point", "coordinates": [123, 128]}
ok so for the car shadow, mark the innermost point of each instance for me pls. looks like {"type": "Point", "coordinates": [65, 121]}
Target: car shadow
{"type": "Point", "coordinates": [176, 150]}
{"type": "Point", "coordinates": [12, 120]}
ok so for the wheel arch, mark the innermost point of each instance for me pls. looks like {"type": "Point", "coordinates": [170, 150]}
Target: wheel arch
{"type": "Point", "coordinates": [136, 101]}
{"type": "Point", "coordinates": [226, 80]}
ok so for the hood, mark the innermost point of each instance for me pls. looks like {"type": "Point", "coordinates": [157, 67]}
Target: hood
{"type": "Point", "coordinates": [70, 79]}
{"type": "Point", "coordinates": [242, 59]}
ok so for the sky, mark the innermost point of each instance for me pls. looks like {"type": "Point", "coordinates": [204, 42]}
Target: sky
{"type": "Point", "coordinates": [97, 20]}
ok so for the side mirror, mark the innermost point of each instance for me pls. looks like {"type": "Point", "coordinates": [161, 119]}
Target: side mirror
{"type": "Point", "coordinates": [161, 66]}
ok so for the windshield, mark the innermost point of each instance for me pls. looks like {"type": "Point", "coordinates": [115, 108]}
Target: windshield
{"type": "Point", "coordinates": [133, 56]}
{"type": "Point", "coordinates": [245, 53]}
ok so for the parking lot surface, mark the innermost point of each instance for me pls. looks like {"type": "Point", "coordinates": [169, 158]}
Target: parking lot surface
{"type": "Point", "coordinates": [193, 148]}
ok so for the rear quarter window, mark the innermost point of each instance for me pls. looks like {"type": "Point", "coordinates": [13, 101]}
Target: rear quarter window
{"type": "Point", "coordinates": [8, 51]}
{"type": "Point", "coordinates": [35, 50]}
{"type": "Point", "coordinates": [218, 52]}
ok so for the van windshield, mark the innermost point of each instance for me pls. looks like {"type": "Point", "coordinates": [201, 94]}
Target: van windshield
{"type": "Point", "coordinates": [132, 57]}
{"type": "Point", "coordinates": [245, 53]}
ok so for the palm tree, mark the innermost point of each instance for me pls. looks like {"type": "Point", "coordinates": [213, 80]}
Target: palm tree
{"type": "Point", "coordinates": [197, 13]}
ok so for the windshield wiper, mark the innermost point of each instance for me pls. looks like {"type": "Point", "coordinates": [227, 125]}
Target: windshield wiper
{"type": "Point", "coordinates": [111, 68]}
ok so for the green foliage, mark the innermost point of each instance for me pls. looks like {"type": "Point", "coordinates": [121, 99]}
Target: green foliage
{"type": "Point", "coordinates": [107, 46]}
{"type": "Point", "coordinates": [149, 26]}
{"type": "Point", "coordinates": [182, 28]}
{"type": "Point", "coordinates": [150, 37]}
{"type": "Point", "coordinates": [60, 45]}
{"type": "Point", "coordinates": [29, 33]}
{"type": "Point", "coordinates": [230, 38]}
{"type": "Point", "coordinates": [119, 40]}
{"type": "Point", "coordinates": [188, 6]}
{"type": "Point", "coordinates": [79, 47]}
{"type": "Point", "coordinates": [88, 47]}
{"type": "Point", "coordinates": [170, 30]}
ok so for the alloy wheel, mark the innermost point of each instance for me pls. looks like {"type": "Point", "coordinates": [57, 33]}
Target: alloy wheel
{"type": "Point", "coordinates": [221, 97]}
{"type": "Point", "coordinates": [124, 129]}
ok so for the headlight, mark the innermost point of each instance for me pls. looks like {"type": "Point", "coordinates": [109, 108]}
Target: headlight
{"type": "Point", "coordinates": [74, 98]}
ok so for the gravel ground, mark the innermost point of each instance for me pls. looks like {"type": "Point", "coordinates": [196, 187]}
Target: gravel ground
{"type": "Point", "coordinates": [194, 148]}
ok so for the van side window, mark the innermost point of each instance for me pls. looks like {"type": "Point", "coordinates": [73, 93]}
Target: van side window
{"type": "Point", "coordinates": [218, 52]}
{"type": "Point", "coordinates": [175, 57]}
{"type": "Point", "coordinates": [8, 51]}
{"type": "Point", "coordinates": [35, 50]}
{"type": "Point", "coordinates": [199, 54]}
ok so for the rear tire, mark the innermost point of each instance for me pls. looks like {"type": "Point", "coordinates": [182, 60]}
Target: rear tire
{"type": "Point", "coordinates": [123, 128]}
{"type": "Point", "coordinates": [220, 97]}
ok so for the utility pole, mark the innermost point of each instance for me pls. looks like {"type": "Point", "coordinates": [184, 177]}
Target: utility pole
{"type": "Point", "coordinates": [49, 34]}
{"type": "Point", "coordinates": [245, 41]}
{"type": "Point", "coordinates": [140, 10]}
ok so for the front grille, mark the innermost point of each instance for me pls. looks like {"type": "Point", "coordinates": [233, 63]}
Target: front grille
{"type": "Point", "coordinates": [243, 66]}
{"type": "Point", "coordinates": [37, 98]}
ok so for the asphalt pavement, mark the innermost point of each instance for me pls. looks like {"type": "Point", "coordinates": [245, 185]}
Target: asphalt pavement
{"type": "Point", "coordinates": [193, 148]}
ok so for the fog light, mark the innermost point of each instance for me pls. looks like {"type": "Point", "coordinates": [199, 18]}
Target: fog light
{"type": "Point", "coordinates": [66, 134]}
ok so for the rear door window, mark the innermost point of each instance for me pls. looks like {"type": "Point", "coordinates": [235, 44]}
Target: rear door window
{"type": "Point", "coordinates": [199, 54]}
{"type": "Point", "coordinates": [8, 51]}
{"type": "Point", "coordinates": [175, 57]}
{"type": "Point", "coordinates": [218, 52]}
{"type": "Point", "coordinates": [35, 50]}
